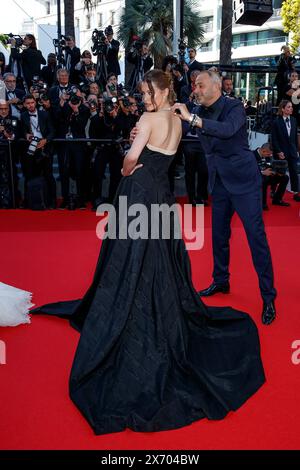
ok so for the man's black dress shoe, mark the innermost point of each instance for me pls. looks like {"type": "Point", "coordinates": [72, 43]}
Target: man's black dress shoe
{"type": "Point", "coordinates": [268, 313]}
{"type": "Point", "coordinates": [296, 197]}
{"type": "Point", "coordinates": [280, 203]}
{"type": "Point", "coordinates": [214, 289]}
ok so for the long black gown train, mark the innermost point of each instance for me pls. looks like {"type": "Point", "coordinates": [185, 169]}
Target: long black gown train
{"type": "Point", "coordinates": [151, 355]}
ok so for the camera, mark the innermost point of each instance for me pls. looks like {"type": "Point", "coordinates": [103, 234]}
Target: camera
{"type": "Point", "coordinates": [38, 85]}
{"type": "Point", "coordinates": [277, 166]}
{"type": "Point", "coordinates": [9, 125]}
{"type": "Point", "coordinates": [74, 98]}
{"type": "Point", "coordinates": [139, 103]}
{"type": "Point", "coordinates": [99, 44]}
{"type": "Point", "coordinates": [33, 145]}
{"type": "Point", "coordinates": [136, 46]}
{"type": "Point", "coordinates": [109, 104]}
{"type": "Point", "coordinates": [181, 50]}
{"type": "Point", "coordinates": [60, 43]}
{"type": "Point", "coordinates": [17, 38]}
{"type": "Point", "coordinates": [124, 97]}
{"type": "Point", "coordinates": [92, 104]}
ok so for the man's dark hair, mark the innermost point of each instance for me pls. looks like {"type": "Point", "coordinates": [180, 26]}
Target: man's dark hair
{"type": "Point", "coordinates": [29, 96]}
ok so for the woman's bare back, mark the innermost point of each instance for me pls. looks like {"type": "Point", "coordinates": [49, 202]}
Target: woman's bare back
{"type": "Point", "coordinates": [165, 131]}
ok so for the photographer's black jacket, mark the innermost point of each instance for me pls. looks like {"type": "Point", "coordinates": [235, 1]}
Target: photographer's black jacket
{"type": "Point", "coordinates": [45, 124]}
{"type": "Point", "coordinates": [31, 60]}
{"type": "Point", "coordinates": [76, 123]}
{"type": "Point", "coordinates": [112, 60]}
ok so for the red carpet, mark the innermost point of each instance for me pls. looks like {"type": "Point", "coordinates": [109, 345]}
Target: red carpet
{"type": "Point", "coordinates": [54, 253]}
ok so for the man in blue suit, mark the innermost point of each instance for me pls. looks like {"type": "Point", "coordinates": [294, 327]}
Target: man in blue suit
{"type": "Point", "coordinates": [235, 185]}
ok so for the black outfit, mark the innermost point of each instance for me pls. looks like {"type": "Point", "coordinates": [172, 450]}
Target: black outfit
{"type": "Point", "coordinates": [285, 66]}
{"type": "Point", "coordinates": [278, 182]}
{"type": "Point", "coordinates": [141, 65]}
{"type": "Point", "coordinates": [112, 58]}
{"type": "Point", "coordinates": [106, 154]}
{"type": "Point", "coordinates": [48, 75]}
{"type": "Point", "coordinates": [41, 163]}
{"type": "Point", "coordinates": [72, 57]}
{"type": "Point", "coordinates": [151, 355]}
{"type": "Point", "coordinates": [31, 60]}
{"type": "Point", "coordinates": [288, 144]}
{"type": "Point", "coordinates": [76, 155]}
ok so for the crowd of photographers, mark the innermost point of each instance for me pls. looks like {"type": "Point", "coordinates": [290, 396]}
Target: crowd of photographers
{"type": "Point", "coordinates": [76, 102]}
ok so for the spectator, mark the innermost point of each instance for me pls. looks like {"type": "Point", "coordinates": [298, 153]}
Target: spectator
{"type": "Point", "coordinates": [193, 63]}
{"type": "Point", "coordinates": [292, 92]}
{"type": "Point", "coordinates": [187, 91]}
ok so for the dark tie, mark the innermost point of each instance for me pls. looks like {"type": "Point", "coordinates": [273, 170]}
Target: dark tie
{"type": "Point", "coordinates": [288, 122]}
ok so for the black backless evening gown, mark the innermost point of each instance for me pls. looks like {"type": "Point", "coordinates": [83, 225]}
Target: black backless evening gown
{"type": "Point", "coordinates": [151, 355]}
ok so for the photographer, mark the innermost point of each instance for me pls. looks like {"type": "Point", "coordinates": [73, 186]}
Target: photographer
{"type": "Point", "coordinates": [75, 115]}
{"type": "Point", "coordinates": [72, 57]}
{"type": "Point", "coordinates": [111, 86]}
{"type": "Point", "coordinates": [30, 58]}
{"type": "Point", "coordinates": [58, 91]}
{"type": "Point", "coordinates": [285, 142]}
{"type": "Point", "coordinates": [285, 66]}
{"type": "Point", "coordinates": [9, 131]}
{"type": "Point", "coordinates": [81, 66]}
{"type": "Point", "coordinates": [37, 88]}
{"type": "Point", "coordinates": [14, 96]}
{"type": "Point", "coordinates": [271, 177]}
{"type": "Point", "coordinates": [138, 55]}
{"type": "Point", "coordinates": [48, 72]}
{"type": "Point", "coordinates": [112, 53]}
{"type": "Point", "coordinates": [107, 127]}
{"type": "Point", "coordinates": [38, 131]}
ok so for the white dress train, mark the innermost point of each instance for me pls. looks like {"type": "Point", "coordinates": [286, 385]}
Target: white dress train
{"type": "Point", "coordinates": [14, 305]}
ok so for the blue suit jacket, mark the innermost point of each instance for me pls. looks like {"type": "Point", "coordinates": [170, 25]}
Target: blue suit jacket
{"type": "Point", "coordinates": [225, 143]}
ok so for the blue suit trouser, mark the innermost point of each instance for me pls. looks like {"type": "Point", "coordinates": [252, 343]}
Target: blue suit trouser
{"type": "Point", "coordinates": [249, 209]}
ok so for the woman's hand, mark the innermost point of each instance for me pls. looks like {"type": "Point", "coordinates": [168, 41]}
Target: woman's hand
{"type": "Point", "coordinates": [132, 171]}
{"type": "Point", "coordinates": [184, 114]}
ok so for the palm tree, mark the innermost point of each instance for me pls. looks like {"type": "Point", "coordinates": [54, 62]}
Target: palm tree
{"type": "Point", "coordinates": [152, 20]}
{"type": "Point", "coordinates": [69, 18]}
{"type": "Point", "coordinates": [226, 33]}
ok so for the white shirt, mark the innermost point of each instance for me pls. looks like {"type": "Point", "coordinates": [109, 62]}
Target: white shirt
{"type": "Point", "coordinates": [34, 122]}
{"type": "Point", "coordinates": [287, 121]}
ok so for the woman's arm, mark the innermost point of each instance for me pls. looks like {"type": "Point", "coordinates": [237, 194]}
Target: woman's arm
{"type": "Point", "coordinates": [138, 144]}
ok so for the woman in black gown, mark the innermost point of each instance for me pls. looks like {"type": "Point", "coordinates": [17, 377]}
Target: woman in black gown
{"type": "Point", "coordinates": [151, 355]}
